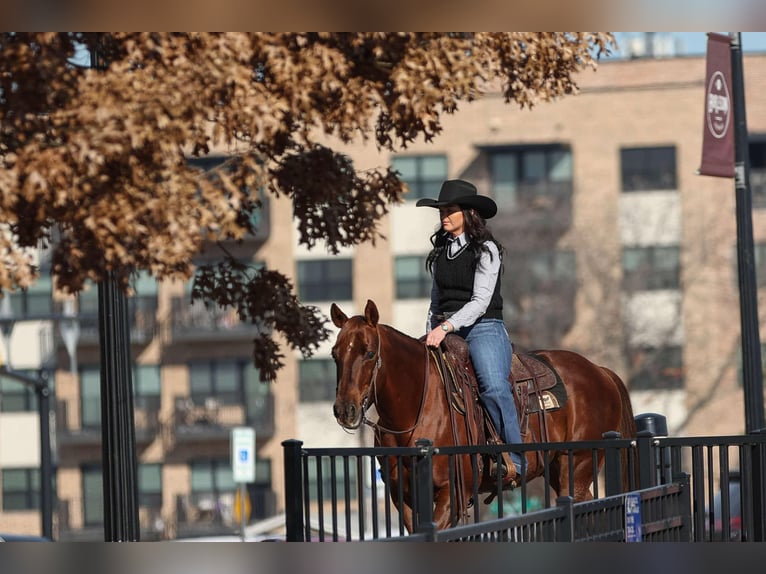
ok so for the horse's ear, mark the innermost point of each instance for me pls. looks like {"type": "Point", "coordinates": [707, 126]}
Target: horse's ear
{"type": "Point", "coordinates": [371, 314]}
{"type": "Point", "coordinates": [338, 317]}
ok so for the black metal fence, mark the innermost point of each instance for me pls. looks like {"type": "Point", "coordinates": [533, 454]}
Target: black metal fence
{"type": "Point", "coordinates": [343, 494]}
{"type": "Point", "coordinates": [658, 514]}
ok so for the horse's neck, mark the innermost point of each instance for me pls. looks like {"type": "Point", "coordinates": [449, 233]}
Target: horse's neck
{"type": "Point", "coordinates": [400, 382]}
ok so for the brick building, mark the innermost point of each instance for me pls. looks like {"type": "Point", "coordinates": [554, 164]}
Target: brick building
{"type": "Point", "coordinates": [615, 248]}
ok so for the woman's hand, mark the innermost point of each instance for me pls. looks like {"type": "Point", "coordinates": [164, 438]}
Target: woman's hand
{"type": "Point", "coordinates": [436, 336]}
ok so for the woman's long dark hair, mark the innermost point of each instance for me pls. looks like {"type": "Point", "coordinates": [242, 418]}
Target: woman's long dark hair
{"type": "Point", "coordinates": [475, 227]}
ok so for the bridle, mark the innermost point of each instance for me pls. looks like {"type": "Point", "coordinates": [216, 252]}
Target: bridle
{"type": "Point", "coordinates": [373, 390]}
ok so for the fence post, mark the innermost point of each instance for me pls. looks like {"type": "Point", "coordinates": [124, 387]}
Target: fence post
{"type": "Point", "coordinates": [565, 532]}
{"type": "Point", "coordinates": [683, 479]}
{"type": "Point", "coordinates": [424, 487]}
{"type": "Point", "coordinates": [648, 427]}
{"type": "Point", "coordinates": [647, 466]}
{"type": "Point", "coordinates": [612, 468]}
{"type": "Point", "coordinates": [293, 490]}
{"type": "Point", "coordinates": [759, 483]}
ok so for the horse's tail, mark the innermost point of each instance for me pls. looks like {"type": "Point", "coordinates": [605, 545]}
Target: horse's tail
{"type": "Point", "coordinates": [627, 426]}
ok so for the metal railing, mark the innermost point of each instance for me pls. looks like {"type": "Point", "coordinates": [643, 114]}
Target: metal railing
{"type": "Point", "coordinates": [345, 492]}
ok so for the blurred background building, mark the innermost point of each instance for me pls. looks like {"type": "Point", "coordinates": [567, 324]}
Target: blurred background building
{"type": "Point", "coordinates": [615, 248]}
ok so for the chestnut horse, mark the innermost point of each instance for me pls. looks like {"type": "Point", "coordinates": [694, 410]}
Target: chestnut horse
{"type": "Point", "coordinates": [376, 364]}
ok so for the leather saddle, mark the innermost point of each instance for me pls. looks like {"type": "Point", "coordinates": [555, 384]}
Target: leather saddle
{"type": "Point", "coordinates": [537, 387]}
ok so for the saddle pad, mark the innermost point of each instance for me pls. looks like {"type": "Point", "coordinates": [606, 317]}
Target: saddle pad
{"type": "Point", "coordinates": [534, 375]}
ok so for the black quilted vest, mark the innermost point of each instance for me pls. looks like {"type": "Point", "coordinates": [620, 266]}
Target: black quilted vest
{"type": "Point", "coordinates": [455, 280]}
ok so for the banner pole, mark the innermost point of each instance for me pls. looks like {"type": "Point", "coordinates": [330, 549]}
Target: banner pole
{"type": "Point", "coordinates": [752, 372]}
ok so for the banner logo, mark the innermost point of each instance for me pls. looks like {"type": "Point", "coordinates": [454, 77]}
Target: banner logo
{"type": "Point", "coordinates": [718, 106]}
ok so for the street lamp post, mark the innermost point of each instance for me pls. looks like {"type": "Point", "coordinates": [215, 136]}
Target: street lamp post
{"type": "Point", "coordinates": [43, 391]}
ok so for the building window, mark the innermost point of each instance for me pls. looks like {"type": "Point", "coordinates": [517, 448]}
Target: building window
{"type": "Point", "coordinates": [16, 397]}
{"type": "Point", "coordinates": [90, 397]}
{"type": "Point", "coordinates": [21, 489]}
{"type": "Point", "coordinates": [757, 154]}
{"type": "Point", "coordinates": [150, 485]}
{"type": "Point", "coordinates": [146, 392]}
{"type": "Point", "coordinates": [216, 477]}
{"type": "Point", "coordinates": [423, 174]}
{"type": "Point", "coordinates": [656, 368]}
{"type": "Point", "coordinates": [231, 382]}
{"type": "Point", "coordinates": [760, 264]}
{"type": "Point", "coordinates": [542, 271]}
{"type": "Point", "coordinates": [648, 168]}
{"type": "Point", "coordinates": [325, 280]}
{"type": "Point", "coordinates": [35, 301]}
{"type": "Point", "coordinates": [412, 279]}
{"type": "Point", "coordinates": [650, 268]}
{"type": "Point", "coordinates": [146, 383]}
{"type": "Point", "coordinates": [221, 380]}
{"type": "Point", "coordinates": [317, 380]}
{"type": "Point", "coordinates": [527, 175]}
{"type": "Point", "coordinates": [92, 495]}
{"type": "Point", "coordinates": [212, 477]}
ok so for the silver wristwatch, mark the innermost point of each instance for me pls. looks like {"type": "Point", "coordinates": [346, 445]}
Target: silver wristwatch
{"type": "Point", "coordinates": [445, 327]}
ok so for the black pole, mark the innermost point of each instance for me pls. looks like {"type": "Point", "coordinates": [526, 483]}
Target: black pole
{"type": "Point", "coordinates": [117, 426]}
{"type": "Point", "coordinates": [293, 490]}
{"type": "Point", "coordinates": [41, 388]}
{"type": "Point", "coordinates": [748, 301]}
{"type": "Point", "coordinates": [118, 433]}
{"type": "Point", "coordinates": [752, 374]}
{"type": "Point", "coordinates": [46, 466]}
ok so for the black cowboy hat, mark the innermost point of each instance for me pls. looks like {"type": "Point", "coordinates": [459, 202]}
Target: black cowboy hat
{"type": "Point", "coordinates": [464, 194]}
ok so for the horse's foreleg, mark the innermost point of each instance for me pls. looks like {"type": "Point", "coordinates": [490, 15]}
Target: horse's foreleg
{"type": "Point", "coordinates": [443, 512]}
{"type": "Point", "coordinates": [582, 475]}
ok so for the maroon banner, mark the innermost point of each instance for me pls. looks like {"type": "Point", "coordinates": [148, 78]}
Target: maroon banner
{"type": "Point", "coordinates": [718, 133]}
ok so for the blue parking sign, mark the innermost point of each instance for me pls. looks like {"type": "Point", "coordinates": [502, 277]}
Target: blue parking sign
{"type": "Point", "coordinates": [243, 454]}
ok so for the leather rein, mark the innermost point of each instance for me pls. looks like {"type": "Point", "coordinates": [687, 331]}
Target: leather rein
{"type": "Point", "coordinates": [374, 391]}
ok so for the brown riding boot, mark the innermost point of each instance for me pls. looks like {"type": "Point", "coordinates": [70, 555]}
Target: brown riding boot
{"type": "Point", "coordinates": [506, 469]}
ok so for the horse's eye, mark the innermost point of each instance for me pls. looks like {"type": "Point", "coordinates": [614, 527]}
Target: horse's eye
{"type": "Point", "coordinates": [369, 355]}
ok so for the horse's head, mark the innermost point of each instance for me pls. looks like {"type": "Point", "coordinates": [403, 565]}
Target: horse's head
{"type": "Point", "coordinates": [357, 355]}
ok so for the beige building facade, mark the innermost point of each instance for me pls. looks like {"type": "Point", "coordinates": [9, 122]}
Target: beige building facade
{"type": "Point", "coordinates": [615, 248]}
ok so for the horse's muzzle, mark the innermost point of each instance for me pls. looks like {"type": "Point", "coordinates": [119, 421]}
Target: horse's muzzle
{"type": "Point", "coordinates": [348, 415]}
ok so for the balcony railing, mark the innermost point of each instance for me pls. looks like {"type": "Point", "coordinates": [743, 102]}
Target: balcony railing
{"type": "Point", "coordinates": [213, 513]}
{"type": "Point", "coordinates": [196, 322]}
{"type": "Point", "coordinates": [142, 318]}
{"type": "Point", "coordinates": [69, 522]}
{"type": "Point", "coordinates": [72, 429]}
{"type": "Point", "coordinates": [213, 417]}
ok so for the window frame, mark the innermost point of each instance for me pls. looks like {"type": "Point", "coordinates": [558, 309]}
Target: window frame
{"type": "Point", "coordinates": [307, 389]}
{"type": "Point", "coordinates": [420, 285]}
{"type": "Point", "coordinates": [323, 286]}
{"type": "Point", "coordinates": [521, 187]}
{"type": "Point", "coordinates": [421, 186]}
{"type": "Point", "coordinates": [640, 175]}
{"type": "Point", "coordinates": [30, 493]}
{"type": "Point", "coordinates": [643, 380]}
{"type": "Point", "coordinates": [653, 277]}
{"type": "Point", "coordinates": [757, 158]}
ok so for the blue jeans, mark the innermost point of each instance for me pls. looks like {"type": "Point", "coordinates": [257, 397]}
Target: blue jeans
{"type": "Point", "coordinates": [491, 353]}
